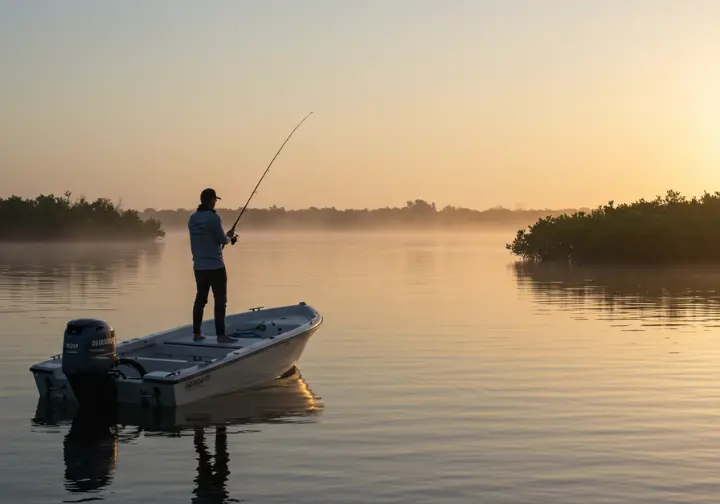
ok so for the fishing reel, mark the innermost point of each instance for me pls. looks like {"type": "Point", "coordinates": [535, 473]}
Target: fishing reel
{"type": "Point", "coordinates": [232, 236]}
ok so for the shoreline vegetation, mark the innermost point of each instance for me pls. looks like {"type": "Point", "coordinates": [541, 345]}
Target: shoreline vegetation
{"type": "Point", "coordinates": [417, 214]}
{"type": "Point", "coordinates": [52, 218]}
{"type": "Point", "coordinates": [666, 230]}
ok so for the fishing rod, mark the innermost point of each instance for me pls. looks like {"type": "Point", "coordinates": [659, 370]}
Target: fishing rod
{"type": "Point", "coordinates": [232, 229]}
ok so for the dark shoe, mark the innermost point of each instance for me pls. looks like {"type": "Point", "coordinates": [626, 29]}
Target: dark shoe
{"type": "Point", "coordinates": [198, 337]}
{"type": "Point", "coordinates": [225, 339]}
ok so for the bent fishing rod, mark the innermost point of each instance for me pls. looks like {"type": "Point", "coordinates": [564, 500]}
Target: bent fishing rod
{"type": "Point", "coordinates": [232, 229]}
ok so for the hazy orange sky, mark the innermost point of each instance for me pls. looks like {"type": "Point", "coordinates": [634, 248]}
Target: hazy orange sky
{"type": "Point", "coordinates": [547, 103]}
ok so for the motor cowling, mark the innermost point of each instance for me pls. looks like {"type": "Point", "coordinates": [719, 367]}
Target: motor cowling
{"type": "Point", "coordinates": [89, 353]}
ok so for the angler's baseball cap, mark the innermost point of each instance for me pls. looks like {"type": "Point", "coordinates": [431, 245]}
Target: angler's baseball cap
{"type": "Point", "coordinates": [208, 194]}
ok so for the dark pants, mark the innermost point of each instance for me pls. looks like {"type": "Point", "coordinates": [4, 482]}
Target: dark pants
{"type": "Point", "coordinates": [205, 280]}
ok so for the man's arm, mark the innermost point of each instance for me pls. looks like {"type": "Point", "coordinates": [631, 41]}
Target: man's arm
{"type": "Point", "coordinates": [218, 233]}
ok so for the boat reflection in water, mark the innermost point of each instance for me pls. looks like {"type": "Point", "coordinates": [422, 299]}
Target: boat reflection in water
{"type": "Point", "coordinates": [91, 444]}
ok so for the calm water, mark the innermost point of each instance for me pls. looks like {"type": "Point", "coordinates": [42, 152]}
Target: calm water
{"type": "Point", "coordinates": [443, 373]}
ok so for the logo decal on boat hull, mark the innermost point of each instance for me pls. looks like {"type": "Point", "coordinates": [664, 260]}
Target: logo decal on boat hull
{"type": "Point", "coordinates": [196, 382]}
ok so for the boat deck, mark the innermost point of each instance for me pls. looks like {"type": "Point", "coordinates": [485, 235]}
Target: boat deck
{"type": "Point", "coordinates": [246, 333]}
{"type": "Point", "coordinates": [186, 339]}
{"type": "Point", "coordinates": [180, 345]}
{"type": "Point", "coordinates": [177, 349]}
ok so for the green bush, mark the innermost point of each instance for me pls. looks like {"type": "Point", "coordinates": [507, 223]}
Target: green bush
{"type": "Point", "coordinates": [53, 218]}
{"type": "Point", "coordinates": [666, 230]}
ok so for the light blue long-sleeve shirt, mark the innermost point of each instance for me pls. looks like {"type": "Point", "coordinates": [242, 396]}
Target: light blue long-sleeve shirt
{"type": "Point", "coordinates": [206, 240]}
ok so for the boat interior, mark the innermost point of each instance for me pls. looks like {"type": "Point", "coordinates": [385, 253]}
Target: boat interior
{"type": "Point", "coordinates": [176, 350]}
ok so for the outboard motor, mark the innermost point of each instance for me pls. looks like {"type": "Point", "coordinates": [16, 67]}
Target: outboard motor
{"type": "Point", "coordinates": [89, 353]}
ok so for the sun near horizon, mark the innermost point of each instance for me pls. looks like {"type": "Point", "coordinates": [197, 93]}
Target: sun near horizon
{"type": "Point", "coordinates": [476, 104]}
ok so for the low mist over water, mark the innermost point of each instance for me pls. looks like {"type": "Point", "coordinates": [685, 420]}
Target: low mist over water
{"type": "Point", "coordinates": [444, 372]}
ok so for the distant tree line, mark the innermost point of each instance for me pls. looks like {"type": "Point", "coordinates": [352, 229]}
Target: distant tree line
{"type": "Point", "coordinates": [672, 229]}
{"type": "Point", "coordinates": [48, 217]}
{"type": "Point", "coordinates": [415, 214]}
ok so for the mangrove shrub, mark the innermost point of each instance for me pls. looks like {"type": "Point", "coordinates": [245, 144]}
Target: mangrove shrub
{"type": "Point", "coordinates": [672, 229]}
{"type": "Point", "coordinates": [52, 218]}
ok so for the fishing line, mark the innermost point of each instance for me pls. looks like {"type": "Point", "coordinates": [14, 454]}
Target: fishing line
{"type": "Point", "coordinates": [232, 229]}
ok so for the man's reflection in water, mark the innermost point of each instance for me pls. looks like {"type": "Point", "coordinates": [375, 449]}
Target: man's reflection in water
{"type": "Point", "coordinates": [91, 452]}
{"type": "Point", "coordinates": [211, 479]}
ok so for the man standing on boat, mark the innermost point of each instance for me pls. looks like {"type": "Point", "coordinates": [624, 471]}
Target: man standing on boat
{"type": "Point", "coordinates": [207, 239]}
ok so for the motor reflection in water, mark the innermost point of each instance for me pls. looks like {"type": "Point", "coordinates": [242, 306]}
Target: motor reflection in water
{"type": "Point", "coordinates": [90, 446]}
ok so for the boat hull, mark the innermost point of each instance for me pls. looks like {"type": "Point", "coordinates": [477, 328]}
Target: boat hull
{"type": "Point", "coordinates": [249, 372]}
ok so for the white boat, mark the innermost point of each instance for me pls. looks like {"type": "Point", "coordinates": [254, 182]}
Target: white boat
{"type": "Point", "coordinates": [169, 368]}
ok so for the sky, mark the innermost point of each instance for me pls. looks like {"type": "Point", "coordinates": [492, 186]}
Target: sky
{"type": "Point", "coordinates": [520, 103]}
